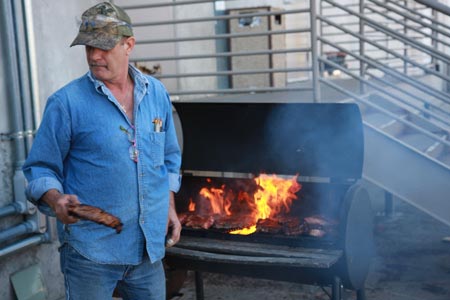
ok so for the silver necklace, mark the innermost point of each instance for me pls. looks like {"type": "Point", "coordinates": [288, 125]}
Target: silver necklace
{"type": "Point", "coordinates": [126, 97]}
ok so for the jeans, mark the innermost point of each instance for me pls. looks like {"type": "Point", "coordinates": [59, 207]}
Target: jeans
{"type": "Point", "coordinates": [85, 279]}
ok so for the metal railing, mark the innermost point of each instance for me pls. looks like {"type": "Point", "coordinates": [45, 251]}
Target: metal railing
{"type": "Point", "coordinates": [406, 64]}
{"type": "Point", "coordinates": [264, 68]}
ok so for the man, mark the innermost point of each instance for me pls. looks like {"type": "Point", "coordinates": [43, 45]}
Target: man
{"type": "Point", "coordinates": [107, 139]}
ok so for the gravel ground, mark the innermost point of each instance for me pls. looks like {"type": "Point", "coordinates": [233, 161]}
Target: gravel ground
{"type": "Point", "coordinates": [412, 262]}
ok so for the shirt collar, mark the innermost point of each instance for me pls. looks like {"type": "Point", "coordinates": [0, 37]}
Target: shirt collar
{"type": "Point", "coordinates": [139, 79]}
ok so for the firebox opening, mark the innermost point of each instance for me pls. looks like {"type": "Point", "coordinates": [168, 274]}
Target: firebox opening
{"type": "Point", "coordinates": [234, 205]}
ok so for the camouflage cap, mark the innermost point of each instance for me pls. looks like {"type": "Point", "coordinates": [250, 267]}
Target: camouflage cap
{"type": "Point", "coordinates": [102, 26]}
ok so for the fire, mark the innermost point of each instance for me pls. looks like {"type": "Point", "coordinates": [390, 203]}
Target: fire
{"type": "Point", "coordinates": [273, 197]}
{"type": "Point", "coordinates": [191, 205]}
{"type": "Point", "coordinates": [244, 231]}
{"type": "Point", "coordinates": [219, 203]}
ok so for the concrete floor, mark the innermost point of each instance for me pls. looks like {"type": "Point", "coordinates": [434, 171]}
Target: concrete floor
{"type": "Point", "coordinates": [412, 262]}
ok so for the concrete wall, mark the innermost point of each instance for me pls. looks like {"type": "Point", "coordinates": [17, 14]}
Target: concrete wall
{"type": "Point", "coordinates": [55, 26]}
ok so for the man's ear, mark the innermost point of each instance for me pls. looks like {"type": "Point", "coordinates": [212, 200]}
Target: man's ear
{"type": "Point", "coordinates": [129, 44]}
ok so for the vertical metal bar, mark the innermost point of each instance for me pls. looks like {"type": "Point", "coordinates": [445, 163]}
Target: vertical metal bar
{"type": "Point", "coordinates": [199, 292]}
{"type": "Point", "coordinates": [361, 294]}
{"type": "Point", "coordinates": [388, 204]}
{"type": "Point", "coordinates": [434, 36]}
{"type": "Point", "coordinates": [362, 65]}
{"type": "Point", "coordinates": [269, 46]}
{"type": "Point", "coordinates": [336, 289]}
{"type": "Point", "coordinates": [320, 33]}
{"type": "Point", "coordinates": [314, 55]}
{"type": "Point", "coordinates": [405, 49]}
{"type": "Point", "coordinates": [32, 61]}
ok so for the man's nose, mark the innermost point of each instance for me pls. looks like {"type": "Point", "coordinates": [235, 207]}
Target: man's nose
{"type": "Point", "coordinates": [94, 53]}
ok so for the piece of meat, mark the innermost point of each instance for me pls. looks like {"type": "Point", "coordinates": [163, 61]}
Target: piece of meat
{"type": "Point", "coordinates": [292, 226]}
{"type": "Point", "coordinates": [319, 226]}
{"type": "Point", "coordinates": [184, 216]}
{"type": "Point", "coordinates": [199, 222]}
{"type": "Point", "coordinates": [316, 232]}
{"type": "Point", "coordinates": [268, 226]}
{"type": "Point", "coordinates": [319, 220]}
{"type": "Point", "coordinates": [95, 214]}
{"type": "Point", "coordinates": [233, 222]}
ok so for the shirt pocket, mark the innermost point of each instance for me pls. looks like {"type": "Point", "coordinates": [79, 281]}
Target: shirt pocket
{"type": "Point", "coordinates": [157, 148]}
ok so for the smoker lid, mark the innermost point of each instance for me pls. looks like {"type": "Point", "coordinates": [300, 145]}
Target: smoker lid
{"type": "Point", "coordinates": [309, 139]}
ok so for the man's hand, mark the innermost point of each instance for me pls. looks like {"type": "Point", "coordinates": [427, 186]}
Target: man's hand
{"type": "Point", "coordinates": [58, 203]}
{"type": "Point", "coordinates": [173, 223]}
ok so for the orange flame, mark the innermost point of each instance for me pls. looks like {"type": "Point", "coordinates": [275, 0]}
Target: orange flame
{"type": "Point", "coordinates": [274, 196]}
{"type": "Point", "coordinates": [244, 231]}
{"type": "Point", "coordinates": [191, 205]}
{"type": "Point", "coordinates": [219, 204]}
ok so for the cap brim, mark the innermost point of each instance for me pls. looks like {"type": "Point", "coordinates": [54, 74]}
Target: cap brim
{"type": "Point", "coordinates": [97, 39]}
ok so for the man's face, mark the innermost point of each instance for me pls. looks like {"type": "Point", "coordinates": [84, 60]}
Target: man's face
{"type": "Point", "coordinates": [109, 65]}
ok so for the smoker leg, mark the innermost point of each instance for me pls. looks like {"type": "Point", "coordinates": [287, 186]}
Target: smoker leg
{"type": "Point", "coordinates": [388, 205]}
{"type": "Point", "coordinates": [199, 285]}
{"type": "Point", "coordinates": [361, 294]}
{"type": "Point", "coordinates": [336, 289]}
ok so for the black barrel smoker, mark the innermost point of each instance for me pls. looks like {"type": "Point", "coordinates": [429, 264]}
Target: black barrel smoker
{"type": "Point", "coordinates": [323, 144]}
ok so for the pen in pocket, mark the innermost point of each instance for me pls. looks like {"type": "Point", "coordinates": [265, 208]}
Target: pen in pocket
{"type": "Point", "coordinates": [157, 125]}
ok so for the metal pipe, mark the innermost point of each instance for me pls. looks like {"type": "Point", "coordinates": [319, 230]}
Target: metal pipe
{"type": "Point", "coordinates": [14, 208]}
{"type": "Point", "coordinates": [18, 41]}
{"type": "Point", "coordinates": [314, 51]}
{"type": "Point", "coordinates": [31, 241]}
{"type": "Point", "coordinates": [222, 36]}
{"type": "Point", "coordinates": [362, 66]}
{"type": "Point", "coordinates": [221, 18]}
{"type": "Point", "coordinates": [171, 3]}
{"type": "Point", "coordinates": [237, 91]}
{"type": "Point", "coordinates": [23, 68]}
{"type": "Point", "coordinates": [220, 54]}
{"type": "Point", "coordinates": [10, 62]}
{"type": "Point", "coordinates": [16, 231]}
{"type": "Point", "coordinates": [32, 61]}
{"type": "Point", "coordinates": [8, 210]}
{"type": "Point", "coordinates": [442, 8]}
{"type": "Point", "coordinates": [227, 73]}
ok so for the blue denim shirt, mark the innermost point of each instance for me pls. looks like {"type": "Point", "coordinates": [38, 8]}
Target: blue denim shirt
{"type": "Point", "coordinates": [82, 147]}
